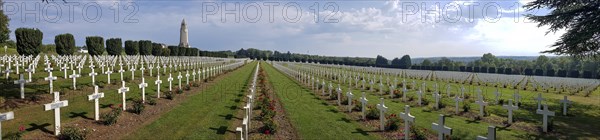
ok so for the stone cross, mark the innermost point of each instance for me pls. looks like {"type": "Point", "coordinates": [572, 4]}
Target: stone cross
{"type": "Point", "coordinates": [539, 100]}
{"type": "Point", "coordinates": [74, 76]}
{"type": "Point", "coordinates": [21, 83]}
{"type": "Point", "coordinates": [132, 69]}
{"type": "Point", "coordinates": [382, 109]}
{"type": "Point", "coordinates": [510, 107]}
{"type": "Point", "coordinates": [170, 79]}
{"type": "Point", "coordinates": [5, 117]}
{"type": "Point", "coordinates": [29, 70]}
{"type": "Point", "coordinates": [545, 113]}
{"type": "Point", "coordinates": [339, 95]}
{"type": "Point", "coordinates": [491, 134]}
{"type": "Point", "coordinates": [565, 102]}
{"type": "Point", "coordinates": [448, 88]}
{"type": "Point", "coordinates": [108, 72]}
{"type": "Point", "coordinates": [158, 82]}
{"type": "Point", "coordinates": [179, 78]}
{"type": "Point", "coordinates": [93, 74]}
{"type": "Point", "coordinates": [123, 90]}
{"type": "Point", "coordinates": [442, 130]}
{"type": "Point", "coordinates": [96, 96]}
{"type": "Point", "coordinates": [56, 105]}
{"type": "Point", "coordinates": [407, 120]}
{"type": "Point", "coordinates": [50, 78]}
{"type": "Point", "coordinates": [364, 101]}
{"type": "Point", "coordinates": [404, 92]}
{"type": "Point", "coordinates": [187, 77]}
{"type": "Point", "coordinates": [121, 71]}
{"type": "Point", "coordinates": [420, 95]}
{"type": "Point", "coordinates": [437, 100]}
{"type": "Point", "coordinates": [481, 104]}
{"type": "Point", "coordinates": [64, 69]}
{"type": "Point", "coordinates": [381, 89]}
{"type": "Point", "coordinates": [457, 99]}
{"type": "Point", "coordinates": [350, 95]}
{"type": "Point", "coordinates": [143, 86]}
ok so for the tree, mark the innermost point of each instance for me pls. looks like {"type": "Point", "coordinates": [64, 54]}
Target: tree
{"type": "Point", "coordinates": [156, 49]}
{"type": "Point", "coordinates": [578, 18]}
{"type": "Point", "coordinates": [396, 63]}
{"type": "Point", "coordinates": [165, 52]}
{"type": "Point", "coordinates": [145, 47]}
{"type": "Point", "coordinates": [190, 52]}
{"type": "Point", "coordinates": [405, 62]}
{"type": "Point", "coordinates": [182, 51]}
{"type": "Point", "coordinates": [131, 47]}
{"type": "Point", "coordinates": [114, 46]}
{"type": "Point", "coordinates": [426, 62]}
{"type": "Point", "coordinates": [4, 30]}
{"type": "Point", "coordinates": [381, 61]}
{"type": "Point", "coordinates": [65, 44]}
{"type": "Point", "coordinates": [95, 45]}
{"type": "Point", "coordinates": [29, 41]}
{"type": "Point", "coordinates": [174, 50]}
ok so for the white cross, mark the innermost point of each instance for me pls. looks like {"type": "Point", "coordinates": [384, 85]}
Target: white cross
{"type": "Point", "coordinates": [442, 130]}
{"type": "Point", "coordinates": [364, 101]}
{"type": "Point", "coordinates": [382, 109]}
{"type": "Point", "coordinates": [95, 96]}
{"type": "Point", "coordinates": [21, 83]}
{"type": "Point", "coordinates": [108, 72]}
{"type": "Point", "coordinates": [179, 78]}
{"type": "Point", "coordinates": [510, 107]}
{"type": "Point", "coordinates": [50, 78]}
{"type": "Point", "coordinates": [121, 71]}
{"type": "Point", "coordinates": [457, 99]}
{"type": "Point", "coordinates": [481, 104]}
{"type": "Point", "coordinates": [6, 116]}
{"type": "Point", "coordinates": [420, 95]}
{"type": "Point", "coordinates": [143, 86]}
{"type": "Point", "coordinates": [74, 76]}
{"type": "Point", "coordinates": [565, 102]}
{"type": "Point", "coordinates": [339, 95]}
{"type": "Point", "coordinates": [491, 134]}
{"type": "Point", "coordinates": [64, 69]}
{"type": "Point", "coordinates": [350, 95]}
{"type": "Point", "coordinates": [132, 73]}
{"type": "Point", "coordinates": [123, 90]}
{"type": "Point", "coordinates": [437, 100]}
{"type": "Point", "coordinates": [29, 70]}
{"type": "Point", "coordinates": [93, 74]}
{"type": "Point", "coordinates": [56, 105]}
{"type": "Point", "coordinates": [407, 119]}
{"type": "Point", "coordinates": [545, 113]}
{"type": "Point", "coordinates": [539, 100]}
{"type": "Point", "coordinates": [158, 82]}
{"type": "Point", "coordinates": [187, 77]}
{"type": "Point", "coordinates": [170, 79]}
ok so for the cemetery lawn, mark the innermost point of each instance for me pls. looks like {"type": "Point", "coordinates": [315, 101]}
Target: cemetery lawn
{"type": "Point", "coordinates": [313, 118]}
{"type": "Point", "coordinates": [206, 115]}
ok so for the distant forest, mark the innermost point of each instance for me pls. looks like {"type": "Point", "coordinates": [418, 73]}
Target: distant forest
{"type": "Point", "coordinates": [557, 66]}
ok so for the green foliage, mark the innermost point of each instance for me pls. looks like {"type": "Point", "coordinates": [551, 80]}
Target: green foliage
{"type": "Point", "coordinates": [111, 117]}
{"type": "Point", "coordinates": [182, 51]}
{"type": "Point", "coordinates": [138, 106]}
{"type": "Point", "coordinates": [392, 122]}
{"type": "Point", "coordinates": [418, 134]}
{"type": "Point", "coordinates": [114, 46]}
{"type": "Point", "coordinates": [174, 50]}
{"type": "Point", "coordinates": [65, 44]}
{"type": "Point", "coordinates": [170, 95]}
{"type": "Point", "coordinates": [95, 45]}
{"type": "Point", "coordinates": [580, 21]}
{"type": "Point", "coordinates": [73, 133]}
{"type": "Point", "coordinates": [371, 113]}
{"type": "Point", "coordinates": [156, 49]}
{"type": "Point", "coordinates": [381, 61]}
{"type": "Point", "coordinates": [405, 62]}
{"type": "Point", "coordinates": [165, 52]}
{"type": "Point", "coordinates": [29, 41]}
{"type": "Point", "coordinates": [131, 47]}
{"type": "Point", "coordinates": [151, 101]}
{"type": "Point", "coordinates": [145, 47]}
{"type": "Point", "coordinates": [4, 30]}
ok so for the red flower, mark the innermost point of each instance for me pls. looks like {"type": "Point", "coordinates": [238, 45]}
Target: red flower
{"type": "Point", "coordinates": [120, 105]}
{"type": "Point", "coordinates": [267, 132]}
{"type": "Point", "coordinates": [21, 128]}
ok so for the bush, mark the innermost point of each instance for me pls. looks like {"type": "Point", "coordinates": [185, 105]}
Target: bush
{"type": "Point", "coordinates": [73, 133]}
{"type": "Point", "coordinates": [418, 134]}
{"type": "Point", "coordinates": [65, 44]}
{"type": "Point", "coordinates": [178, 91]}
{"type": "Point", "coordinates": [16, 135]}
{"type": "Point", "coordinates": [182, 51]}
{"type": "Point", "coordinates": [169, 95]}
{"type": "Point", "coordinates": [138, 106]}
{"type": "Point", "coordinates": [95, 45]}
{"type": "Point", "coordinates": [392, 122]}
{"type": "Point", "coordinates": [131, 47]}
{"type": "Point", "coordinates": [151, 101]}
{"type": "Point", "coordinates": [156, 49]}
{"type": "Point", "coordinates": [29, 41]}
{"type": "Point", "coordinates": [186, 87]}
{"type": "Point", "coordinates": [371, 113]}
{"type": "Point", "coordinates": [114, 46]}
{"type": "Point", "coordinates": [268, 126]}
{"type": "Point", "coordinates": [111, 117]}
{"type": "Point", "coordinates": [174, 50]}
{"type": "Point", "coordinates": [466, 108]}
{"type": "Point", "coordinates": [165, 52]}
{"type": "Point", "coordinates": [145, 47]}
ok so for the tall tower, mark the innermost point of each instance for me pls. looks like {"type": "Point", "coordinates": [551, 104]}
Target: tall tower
{"type": "Point", "coordinates": [183, 36]}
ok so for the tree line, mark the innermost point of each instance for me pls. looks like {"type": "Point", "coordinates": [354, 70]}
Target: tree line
{"type": "Point", "coordinates": [29, 42]}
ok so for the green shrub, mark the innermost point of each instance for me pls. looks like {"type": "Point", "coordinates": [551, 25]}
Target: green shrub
{"type": "Point", "coordinates": [392, 123]}
{"type": "Point", "coordinates": [111, 117]}
{"type": "Point", "coordinates": [114, 46]}
{"type": "Point", "coordinates": [169, 95]}
{"type": "Point", "coordinates": [73, 133]}
{"type": "Point", "coordinates": [65, 44]}
{"type": "Point", "coordinates": [145, 47]}
{"type": "Point", "coordinates": [16, 135]}
{"type": "Point", "coordinates": [138, 106]}
{"type": "Point", "coordinates": [371, 113]}
{"type": "Point", "coordinates": [151, 101]}
{"type": "Point", "coordinates": [29, 41]}
{"type": "Point", "coordinates": [95, 45]}
{"type": "Point", "coordinates": [417, 134]}
{"type": "Point", "coordinates": [131, 47]}
{"type": "Point", "coordinates": [156, 49]}
{"type": "Point", "coordinates": [269, 126]}
{"type": "Point", "coordinates": [174, 50]}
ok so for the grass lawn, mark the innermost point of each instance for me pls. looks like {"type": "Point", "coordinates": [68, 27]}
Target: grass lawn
{"type": "Point", "coordinates": [312, 117]}
{"type": "Point", "coordinates": [203, 116]}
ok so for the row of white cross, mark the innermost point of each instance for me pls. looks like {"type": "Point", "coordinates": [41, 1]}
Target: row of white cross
{"type": "Point", "coordinates": [244, 129]}
{"type": "Point", "coordinates": [306, 77]}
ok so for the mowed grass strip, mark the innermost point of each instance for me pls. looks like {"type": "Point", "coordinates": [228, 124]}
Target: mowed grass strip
{"type": "Point", "coordinates": [312, 117]}
{"type": "Point", "coordinates": [206, 115]}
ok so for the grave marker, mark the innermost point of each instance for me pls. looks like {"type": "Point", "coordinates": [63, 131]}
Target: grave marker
{"type": "Point", "coordinates": [95, 96]}
{"type": "Point", "coordinates": [382, 109]}
{"type": "Point", "coordinates": [545, 113]}
{"type": "Point", "coordinates": [407, 120]}
{"type": "Point", "coordinates": [56, 105]}
{"type": "Point", "coordinates": [442, 130]}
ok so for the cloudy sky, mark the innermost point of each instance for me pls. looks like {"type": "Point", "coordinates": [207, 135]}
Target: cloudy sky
{"type": "Point", "coordinates": [365, 28]}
